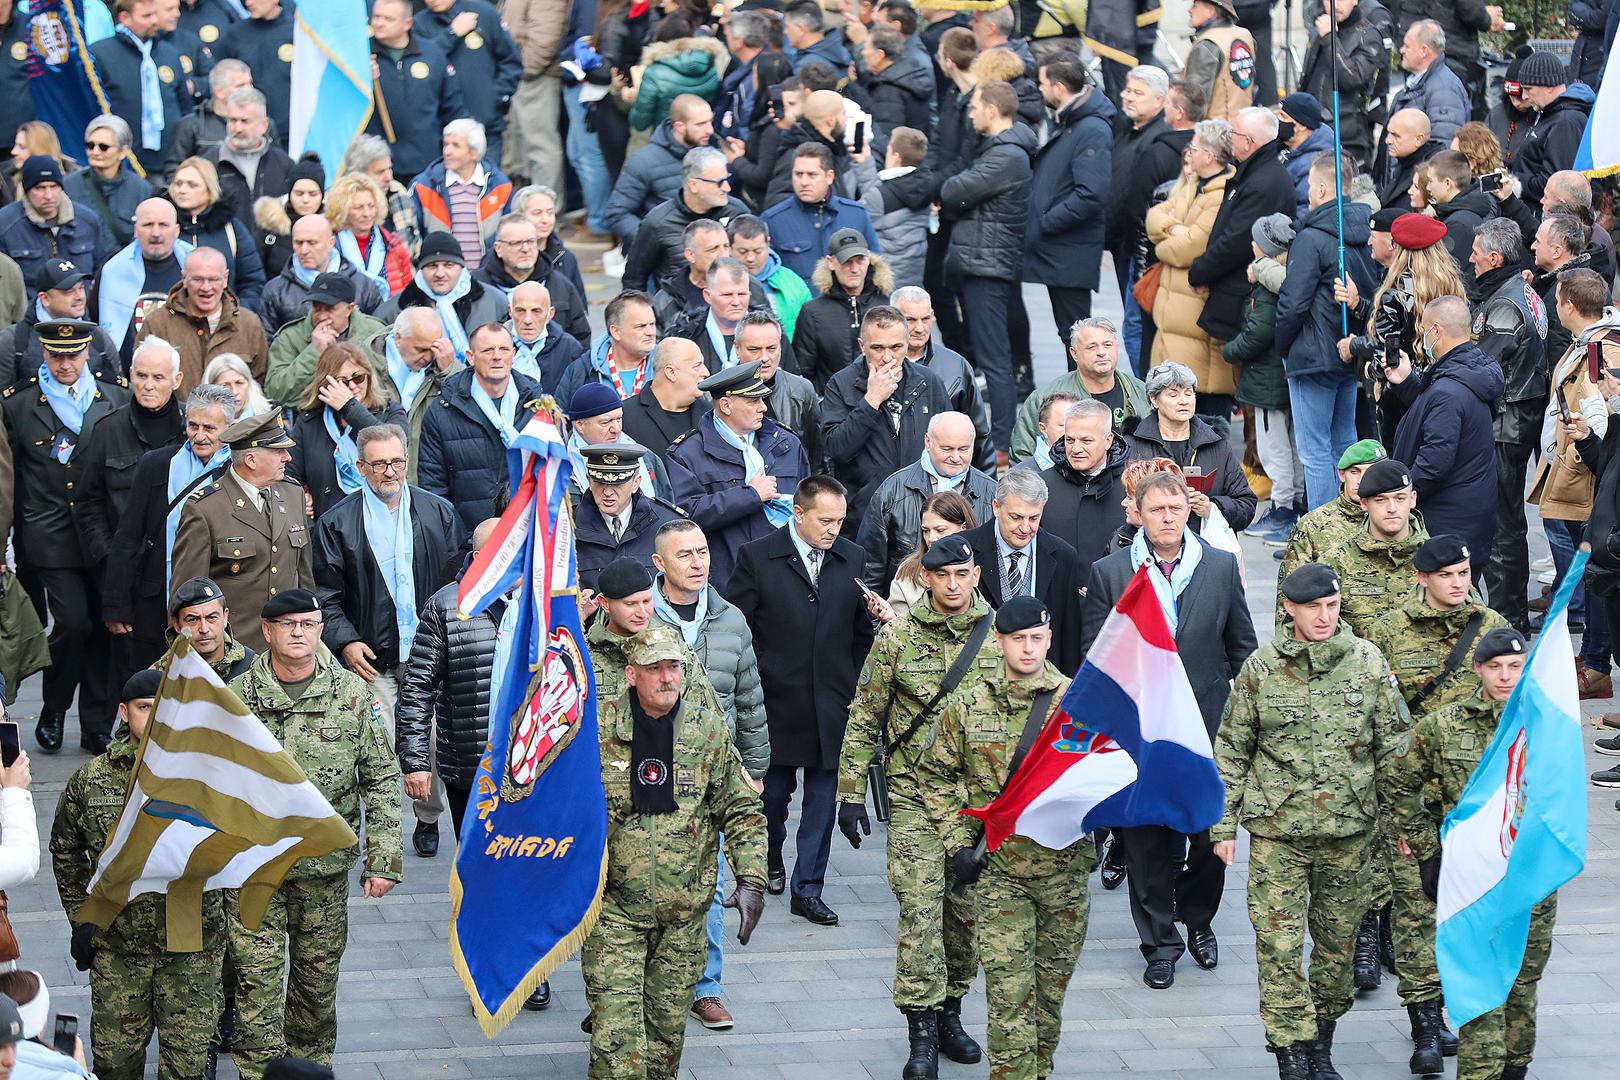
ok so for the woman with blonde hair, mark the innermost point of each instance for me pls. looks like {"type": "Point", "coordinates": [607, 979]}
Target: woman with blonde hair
{"type": "Point", "coordinates": [232, 372]}
{"type": "Point", "coordinates": [943, 514]}
{"type": "Point", "coordinates": [354, 208]}
{"type": "Point", "coordinates": [35, 137]}
{"type": "Point", "coordinates": [1004, 65]}
{"type": "Point", "coordinates": [207, 220]}
{"type": "Point", "coordinates": [344, 398]}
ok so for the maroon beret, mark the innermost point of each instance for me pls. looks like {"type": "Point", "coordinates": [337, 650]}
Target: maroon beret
{"type": "Point", "coordinates": [1415, 231]}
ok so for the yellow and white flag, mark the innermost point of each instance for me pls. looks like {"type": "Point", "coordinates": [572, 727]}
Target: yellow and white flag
{"type": "Point", "coordinates": [214, 803]}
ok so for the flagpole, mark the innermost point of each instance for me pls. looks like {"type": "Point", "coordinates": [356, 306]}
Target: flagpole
{"type": "Point", "coordinates": [1338, 156]}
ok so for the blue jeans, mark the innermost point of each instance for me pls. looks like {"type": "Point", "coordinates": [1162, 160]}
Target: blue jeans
{"type": "Point", "coordinates": [1564, 537]}
{"type": "Point", "coordinates": [586, 157]}
{"type": "Point", "coordinates": [1131, 330]}
{"type": "Point", "coordinates": [1324, 410]}
{"type": "Point", "coordinates": [1597, 645]}
{"type": "Point", "coordinates": [709, 985]}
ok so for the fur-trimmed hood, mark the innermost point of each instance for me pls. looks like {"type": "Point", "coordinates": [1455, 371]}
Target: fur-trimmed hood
{"type": "Point", "coordinates": [270, 214]}
{"type": "Point", "coordinates": [879, 278]}
{"type": "Point", "coordinates": [671, 52]}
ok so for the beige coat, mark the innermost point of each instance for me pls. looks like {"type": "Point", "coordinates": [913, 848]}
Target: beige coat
{"type": "Point", "coordinates": [1176, 307]}
{"type": "Point", "coordinates": [1565, 483]}
{"type": "Point", "coordinates": [239, 331]}
{"type": "Point", "coordinates": [538, 27]}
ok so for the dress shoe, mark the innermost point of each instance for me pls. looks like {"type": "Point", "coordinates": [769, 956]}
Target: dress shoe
{"type": "Point", "coordinates": [812, 908]}
{"type": "Point", "coordinates": [1610, 720]}
{"type": "Point", "coordinates": [775, 879]}
{"type": "Point", "coordinates": [94, 744]}
{"type": "Point", "coordinates": [1160, 974]}
{"type": "Point", "coordinates": [1595, 685]}
{"type": "Point", "coordinates": [1201, 943]}
{"type": "Point", "coordinates": [48, 732]}
{"type": "Point", "coordinates": [1544, 601]}
{"type": "Point", "coordinates": [712, 1014]}
{"type": "Point", "coordinates": [1110, 867]}
{"type": "Point", "coordinates": [425, 839]}
{"type": "Point", "coordinates": [540, 1000]}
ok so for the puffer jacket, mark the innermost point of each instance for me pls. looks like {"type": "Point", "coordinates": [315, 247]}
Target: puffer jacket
{"type": "Point", "coordinates": [650, 176]}
{"type": "Point", "coordinates": [901, 95]}
{"type": "Point", "coordinates": [1309, 323]}
{"type": "Point", "coordinates": [446, 689]}
{"type": "Point", "coordinates": [726, 647]}
{"type": "Point", "coordinates": [824, 341]}
{"type": "Point", "coordinates": [989, 202]}
{"type": "Point", "coordinates": [77, 234]}
{"type": "Point", "coordinates": [689, 65]}
{"type": "Point", "coordinates": [459, 456]}
{"type": "Point", "coordinates": [1176, 307]}
{"type": "Point", "coordinates": [1068, 194]}
{"type": "Point", "coordinates": [1297, 163]}
{"type": "Point", "coordinates": [1260, 379]}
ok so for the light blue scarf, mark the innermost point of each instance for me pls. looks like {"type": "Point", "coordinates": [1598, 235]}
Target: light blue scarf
{"type": "Point", "coordinates": [446, 305]}
{"type": "Point", "coordinates": [374, 264]}
{"type": "Point", "coordinates": [1043, 453]}
{"type": "Point", "coordinates": [184, 468]}
{"type": "Point", "coordinates": [778, 511]}
{"type": "Point", "coordinates": [502, 418]}
{"type": "Point", "coordinates": [40, 314]}
{"type": "Point", "coordinates": [394, 547]}
{"type": "Point", "coordinates": [408, 380]}
{"type": "Point", "coordinates": [727, 357]}
{"type": "Point", "coordinates": [941, 481]}
{"type": "Point", "coordinates": [527, 359]}
{"type": "Point", "coordinates": [344, 453]}
{"type": "Point", "coordinates": [151, 92]}
{"type": "Point", "coordinates": [306, 278]}
{"type": "Point", "coordinates": [1168, 592]}
{"type": "Point", "coordinates": [123, 277]}
{"type": "Point", "coordinates": [690, 629]}
{"type": "Point", "coordinates": [69, 403]}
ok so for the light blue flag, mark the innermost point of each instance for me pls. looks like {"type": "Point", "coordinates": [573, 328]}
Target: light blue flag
{"type": "Point", "coordinates": [331, 79]}
{"type": "Point", "coordinates": [1519, 830]}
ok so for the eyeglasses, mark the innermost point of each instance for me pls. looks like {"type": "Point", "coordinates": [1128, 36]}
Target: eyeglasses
{"type": "Point", "coordinates": [518, 243]}
{"type": "Point", "coordinates": [393, 466]}
{"type": "Point", "coordinates": [101, 146]}
{"type": "Point", "coordinates": [299, 626]}
{"type": "Point", "coordinates": [724, 181]}
{"type": "Point", "coordinates": [354, 381]}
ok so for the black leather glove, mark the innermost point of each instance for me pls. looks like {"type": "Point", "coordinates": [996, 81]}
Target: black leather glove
{"type": "Point", "coordinates": [749, 900]}
{"type": "Point", "coordinates": [1429, 873]}
{"type": "Point", "coordinates": [966, 866]}
{"type": "Point", "coordinates": [852, 822]}
{"type": "Point", "coordinates": [83, 948]}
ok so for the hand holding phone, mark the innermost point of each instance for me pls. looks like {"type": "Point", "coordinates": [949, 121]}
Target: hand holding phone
{"type": "Point", "coordinates": [10, 743]}
{"type": "Point", "coordinates": [66, 1036]}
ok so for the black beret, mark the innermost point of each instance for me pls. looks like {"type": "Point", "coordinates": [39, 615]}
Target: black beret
{"type": "Point", "coordinates": [1383, 477]}
{"type": "Point", "coordinates": [1384, 220]}
{"type": "Point", "coordinates": [1021, 613]}
{"type": "Point", "coordinates": [290, 602]}
{"type": "Point", "coordinates": [199, 590]}
{"type": "Point", "coordinates": [143, 684]}
{"type": "Point", "coordinates": [1310, 582]}
{"type": "Point", "coordinates": [296, 1068]}
{"type": "Point", "coordinates": [623, 577]}
{"type": "Point", "coordinates": [948, 551]}
{"type": "Point", "coordinates": [1503, 641]}
{"type": "Point", "coordinates": [1438, 552]}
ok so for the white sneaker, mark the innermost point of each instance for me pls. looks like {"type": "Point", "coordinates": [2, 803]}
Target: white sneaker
{"type": "Point", "coordinates": [613, 263]}
{"type": "Point", "coordinates": [1543, 563]}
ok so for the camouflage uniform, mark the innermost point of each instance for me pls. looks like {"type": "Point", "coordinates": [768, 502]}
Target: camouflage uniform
{"type": "Point", "coordinates": [936, 955]}
{"type": "Point", "coordinates": [136, 984]}
{"type": "Point", "coordinates": [1375, 575]}
{"type": "Point", "coordinates": [1317, 533]}
{"type": "Point", "coordinates": [335, 733]}
{"type": "Point", "coordinates": [1031, 902]}
{"type": "Point", "coordinates": [232, 662]}
{"type": "Point", "coordinates": [609, 660]}
{"type": "Point", "coordinates": [648, 947]}
{"type": "Point", "coordinates": [1432, 766]}
{"type": "Point", "coordinates": [1307, 728]}
{"type": "Point", "coordinates": [1416, 638]}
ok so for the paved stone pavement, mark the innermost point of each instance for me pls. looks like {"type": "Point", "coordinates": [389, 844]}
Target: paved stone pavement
{"type": "Point", "coordinates": [814, 1004]}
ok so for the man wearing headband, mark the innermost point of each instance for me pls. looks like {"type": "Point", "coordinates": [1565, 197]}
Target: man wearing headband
{"type": "Point", "coordinates": [1374, 563]}
{"type": "Point", "coordinates": [1293, 752]}
{"type": "Point", "coordinates": [137, 986]}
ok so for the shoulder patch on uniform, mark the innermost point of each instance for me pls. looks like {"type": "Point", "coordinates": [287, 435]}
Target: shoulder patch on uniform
{"type": "Point", "coordinates": [9, 391]}
{"type": "Point", "coordinates": [206, 489]}
{"type": "Point", "coordinates": [682, 437]}
{"type": "Point", "coordinates": [376, 710]}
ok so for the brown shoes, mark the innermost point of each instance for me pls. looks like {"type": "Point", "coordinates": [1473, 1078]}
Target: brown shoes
{"type": "Point", "coordinates": [1595, 685]}
{"type": "Point", "coordinates": [711, 1014]}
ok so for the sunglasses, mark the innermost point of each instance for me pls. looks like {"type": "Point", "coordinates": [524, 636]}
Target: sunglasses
{"type": "Point", "coordinates": [100, 146]}
{"type": "Point", "coordinates": [354, 381]}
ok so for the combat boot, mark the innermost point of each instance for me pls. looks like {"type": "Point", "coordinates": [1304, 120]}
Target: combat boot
{"type": "Point", "coordinates": [1448, 1038]}
{"type": "Point", "coordinates": [922, 1028]}
{"type": "Point", "coordinates": [1292, 1062]}
{"type": "Point", "coordinates": [1386, 939]}
{"type": "Point", "coordinates": [1515, 1072]}
{"type": "Point", "coordinates": [955, 1043]}
{"type": "Point", "coordinates": [1320, 1052]}
{"type": "Point", "coordinates": [1426, 1024]}
{"type": "Point", "coordinates": [1367, 972]}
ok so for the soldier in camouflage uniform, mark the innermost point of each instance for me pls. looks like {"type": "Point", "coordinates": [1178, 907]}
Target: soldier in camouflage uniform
{"type": "Point", "coordinates": [330, 722]}
{"type": "Point", "coordinates": [672, 788]}
{"type": "Point", "coordinates": [1330, 524]}
{"type": "Point", "coordinates": [936, 955]}
{"type": "Point", "coordinates": [624, 597]}
{"type": "Point", "coordinates": [1374, 563]}
{"type": "Point", "coordinates": [1030, 902]}
{"type": "Point", "coordinates": [1312, 721]}
{"type": "Point", "coordinates": [198, 611]}
{"type": "Point", "coordinates": [136, 984]}
{"type": "Point", "coordinates": [1431, 768]}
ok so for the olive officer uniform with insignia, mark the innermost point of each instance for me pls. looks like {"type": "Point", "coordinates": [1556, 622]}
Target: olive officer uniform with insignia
{"type": "Point", "coordinates": [118, 63]}
{"type": "Point", "coordinates": [41, 416]}
{"type": "Point", "coordinates": [254, 544]}
{"type": "Point", "coordinates": [599, 540]}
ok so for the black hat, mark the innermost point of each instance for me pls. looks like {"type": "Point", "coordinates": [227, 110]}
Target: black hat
{"type": "Point", "coordinates": [199, 590]}
{"type": "Point", "coordinates": [143, 684]}
{"type": "Point", "coordinates": [1303, 109]}
{"type": "Point", "coordinates": [1384, 220]}
{"type": "Point", "coordinates": [1309, 582]}
{"type": "Point", "coordinates": [308, 167]}
{"type": "Point", "coordinates": [58, 274]}
{"type": "Point", "coordinates": [40, 169]}
{"type": "Point", "coordinates": [288, 1067]}
{"type": "Point", "coordinates": [440, 247]}
{"type": "Point", "coordinates": [1438, 552]}
{"type": "Point", "coordinates": [260, 432]}
{"type": "Point", "coordinates": [65, 336]}
{"type": "Point", "coordinates": [1503, 641]}
{"type": "Point", "coordinates": [948, 551]}
{"type": "Point", "coordinates": [1021, 613]}
{"type": "Point", "coordinates": [1542, 69]}
{"type": "Point", "coordinates": [1385, 476]}
{"type": "Point", "coordinates": [845, 244]}
{"type": "Point", "coordinates": [332, 289]}
{"type": "Point", "coordinates": [623, 577]}
{"type": "Point", "coordinates": [612, 463]}
{"type": "Point", "coordinates": [739, 380]}
{"type": "Point", "coordinates": [290, 602]}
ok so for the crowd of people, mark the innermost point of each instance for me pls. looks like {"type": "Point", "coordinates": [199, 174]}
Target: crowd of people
{"type": "Point", "coordinates": [832, 539]}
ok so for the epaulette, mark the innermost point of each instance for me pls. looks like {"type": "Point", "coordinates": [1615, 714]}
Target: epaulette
{"type": "Point", "coordinates": [206, 489]}
{"type": "Point", "coordinates": [116, 380]}
{"type": "Point", "coordinates": [682, 437]}
{"type": "Point", "coordinates": [667, 505]}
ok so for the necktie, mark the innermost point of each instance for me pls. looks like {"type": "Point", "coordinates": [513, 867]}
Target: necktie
{"type": "Point", "coordinates": [815, 565]}
{"type": "Point", "coordinates": [1012, 583]}
{"type": "Point", "coordinates": [1166, 568]}
{"type": "Point", "coordinates": [617, 526]}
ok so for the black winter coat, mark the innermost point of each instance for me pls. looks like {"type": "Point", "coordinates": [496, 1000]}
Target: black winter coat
{"type": "Point", "coordinates": [1309, 323]}
{"type": "Point", "coordinates": [113, 454]}
{"type": "Point", "coordinates": [1589, 18]}
{"type": "Point", "coordinates": [480, 305]}
{"type": "Point", "coordinates": [1396, 192]}
{"type": "Point", "coordinates": [138, 549]}
{"type": "Point", "coordinates": [594, 545]}
{"type": "Point", "coordinates": [650, 176]}
{"type": "Point", "coordinates": [1064, 230]}
{"type": "Point", "coordinates": [826, 337]}
{"type": "Point", "coordinates": [1552, 142]}
{"type": "Point", "coordinates": [901, 95]}
{"type": "Point", "coordinates": [1142, 159]}
{"type": "Point", "coordinates": [1462, 217]}
{"type": "Point", "coordinates": [355, 603]}
{"type": "Point", "coordinates": [446, 689]}
{"type": "Point", "coordinates": [1086, 511]}
{"type": "Point", "coordinates": [954, 144]}
{"type": "Point", "coordinates": [264, 45]}
{"type": "Point", "coordinates": [1361, 59]}
{"type": "Point", "coordinates": [1462, 20]}
{"type": "Point", "coordinates": [1231, 493]}
{"type": "Point", "coordinates": [892, 524]}
{"type": "Point", "coordinates": [1259, 187]}
{"type": "Point", "coordinates": [118, 65]}
{"type": "Point", "coordinates": [460, 456]}
{"type": "Point", "coordinates": [989, 203]}
{"type": "Point", "coordinates": [651, 426]}
{"type": "Point", "coordinates": [272, 180]}
{"type": "Point", "coordinates": [654, 256]}
{"type": "Point", "coordinates": [573, 311]}
{"type": "Point", "coordinates": [862, 445]}
{"type": "Point", "coordinates": [312, 464]}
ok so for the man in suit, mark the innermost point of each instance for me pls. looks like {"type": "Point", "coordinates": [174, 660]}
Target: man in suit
{"type": "Point", "coordinates": [1175, 877]}
{"type": "Point", "coordinates": [1022, 559]}
{"type": "Point", "coordinates": [613, 519]}
{"type": "Point", "coordinates": [812, 628]}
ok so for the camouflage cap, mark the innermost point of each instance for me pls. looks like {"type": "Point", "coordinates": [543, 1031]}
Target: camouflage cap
{"type": "Point", "coordinates": [654, 644]}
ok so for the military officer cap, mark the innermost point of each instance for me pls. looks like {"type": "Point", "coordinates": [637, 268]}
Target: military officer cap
{"type": "Point", "coordinates": [1383, 477]}
{"type": "Point", "coordinates": [1310, 582]}
{"type": "Point", "coordinates": [612, 463]}
{"type": "Point", "coordinates": [1439, 552]}
{"type": "Point", "coordinates": [143, 684]}
{"type": "Point", "coordinates": [1021, 613]}
{"type": "Point", "coordinates": [290, 602]}
{"type": "Point", "coordinates": [623, 577]}
{"type": "Point", "coordinates": [1503, 641]}
{"type": "Point", "coordinates": [740, 380]}
{"type": "Point", "coordinates": [1364, 452]}
{"type": "Point", "coordinates": [66, 336]}
{"type": "Point", "coordinates": [654, 644]}
{"type": "Point", "coordinates": [199, 590]}
{"type": "Point", "coordinates": [288, 1067]}
{"type": "Point", "coordinates": [260, 432]}
{"type": "Point", "coordinates": [948, 551]}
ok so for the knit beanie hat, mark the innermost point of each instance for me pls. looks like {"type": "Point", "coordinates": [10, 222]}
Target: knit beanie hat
{"type": "Point", "coordinates": [1272, 234]}
{"type": "Point", "coordinates": [1542, 69]}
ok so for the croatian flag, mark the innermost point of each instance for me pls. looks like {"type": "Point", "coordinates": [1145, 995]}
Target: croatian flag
{"type": "Point", "coordinates": [1519, 830]}
{"type": "Point", "coordinates": [1127, 747]}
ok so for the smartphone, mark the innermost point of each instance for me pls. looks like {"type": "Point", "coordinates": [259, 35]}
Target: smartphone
{"type": "Point", "coordinates": [778, 108]}
{"type": "Point", "coordinates": [10, 743]}
{"type": "Point", "coordinates": [859, 142]}
{"type": "Point", "coordinates": [1489, 182]}
{"type": "Point", "coordinates": [1563, 407]}
{"type": "Point", "coordinates": [1392, 352]}
{"type": "Point", "coordinates": [867, 589]}
{"type": "Point", "coordinates": [66, 1037]}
